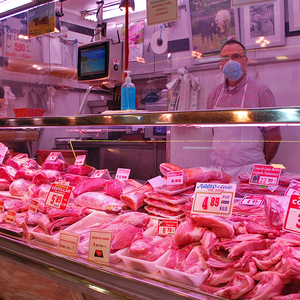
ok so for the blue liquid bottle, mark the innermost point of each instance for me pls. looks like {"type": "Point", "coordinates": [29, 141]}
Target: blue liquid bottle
{"type": "Point", "coordinates": [127, 94]}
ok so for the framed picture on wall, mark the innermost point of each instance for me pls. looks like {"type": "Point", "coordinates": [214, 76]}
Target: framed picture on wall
{"type": "Point", "coordinates": [294, 13]}
{"type": "Point", "coordinates": [213, 22]}
{"type": "Point", "coordinates": [262, 25]}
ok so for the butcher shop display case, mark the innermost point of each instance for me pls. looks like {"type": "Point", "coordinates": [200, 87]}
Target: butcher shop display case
{"type": "Point", "coordinates": [125, 277]}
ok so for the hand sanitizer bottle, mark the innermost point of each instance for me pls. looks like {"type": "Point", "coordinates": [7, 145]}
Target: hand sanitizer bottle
{"type": "Point", "coordinates": [127, 93]}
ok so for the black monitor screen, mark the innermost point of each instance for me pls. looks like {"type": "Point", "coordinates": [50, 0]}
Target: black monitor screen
{"type": "Point", "coordinates": [93, 61]}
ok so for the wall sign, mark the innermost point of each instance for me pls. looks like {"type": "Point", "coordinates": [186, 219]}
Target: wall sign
{"type": "Point", "coordinates": [162, 11]}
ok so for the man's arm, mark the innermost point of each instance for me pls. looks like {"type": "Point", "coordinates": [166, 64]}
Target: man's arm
{"type": "Point", "coordinates": [272, 141]}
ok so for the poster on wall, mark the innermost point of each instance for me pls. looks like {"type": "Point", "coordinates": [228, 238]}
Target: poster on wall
{"type": "Point", "coordinates": [213, 22]}
{"type": "Point", "coordinates": [15, 47]}
{"type": "Point", "coordinates": [136, 39]}
{"type": "Point", "coordinates": [162, 11]}
{"type": "Point", "coordinates": [41, 20]}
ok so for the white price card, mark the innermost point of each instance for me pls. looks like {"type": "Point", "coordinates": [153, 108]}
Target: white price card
{"type": "Point", "coordinates": [10, 217]}
{"type": "Point", "coordinates": [292, 217]}
{"type": "Point", "coordinates": [80, 160]}
{"type": "Point", "coordinates": [58, 196]}
{"type": "Point", "coordinates": [254, 200]}
{"type": "Point", "coordinates": [167, 227]}
{"type": "Point", "coordinates": [99, 247]}
{"type": "Point", "coordinates": [33, 206]}
{"type": "Point", "coordinates": [29, 164]}
{"type": "Point", "coordinates": [293, 188]}
{"type": "Point", "coordinates": [104, 174]}
{"type": "Point", "coordinates": [68, 243]}
{"type": "Point", "coordinates": [175, 177]}
{"type": "Point", "coordinates": [2, 206]}
{"type": "Point", "coordinates": [265, 175]}
{"type": "Point", "coordinates": [122, 174]}
{"type": "Point", "coordinates": [214, 198]}
{"type": "Point", "coordinates": [53, 156]}
{"type": "Point", "coordinates": [2, 154]}
{"type": "Point", "coordinates": [157, 181]}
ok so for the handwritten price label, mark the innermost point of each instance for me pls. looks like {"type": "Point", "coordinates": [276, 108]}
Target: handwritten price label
{"type": "Point", "coordinates": [175, 177]}
{"type": "Point", "coordinates": [122, 174]}
{"type": "Point", "coordinates": [29, 163]}
{"type": "Point", "coordinates": [33, 206]}
{"type": "Point", "coordinates": [80, 160]}
{"type": "Point", "coordinates": [1, 206]}
{"type": "Point", "coordinates": [58, 196]}
{"type": "Point", "coordinates": [10, 217]}
{"type": "Point", "coordinates": [292, 217]}
{"type": "Point", "coordinates": [253, 200]}
{"type": "Point", "coordinates": [265, 175]}
{"type": "Point", "coordinates": [167, 227]}
{"type": "Point", "coordinates": [104, 174]}
{"type": "Point", "coordinates": [68, 243]}
{"type": "Point", "coordinates": [53, 156]}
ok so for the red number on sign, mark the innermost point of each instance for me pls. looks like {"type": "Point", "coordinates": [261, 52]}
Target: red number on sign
{"type": "Point", "coordinates": [298, 225]}
{"type": "Point", "coordinates": [52, 199]}
{"type": "Point", "coordinates": [204, 204]}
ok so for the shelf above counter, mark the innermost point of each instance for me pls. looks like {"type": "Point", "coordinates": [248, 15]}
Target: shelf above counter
{"type": "Point", "coordinates": [267, 117]}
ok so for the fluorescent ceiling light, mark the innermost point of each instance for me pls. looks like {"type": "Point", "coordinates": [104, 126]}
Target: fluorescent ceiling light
{"type": "Point", "coordinates": [6, 5]}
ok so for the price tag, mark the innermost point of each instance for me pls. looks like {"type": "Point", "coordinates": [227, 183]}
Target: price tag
{"type": "Point", "coordinates": [33, 206]}
{"type": "Point", "coordinates": [265, 175]}
{"type": "Point", "coordinates": [293, 189]}
{"type": "Point", "coordinates": [53, 156]}
{"type": "Point", "coordinates": [2, 154]}
{"type": "Point", "coordinates": [253, 200]}
{"type": "Point", "coordinates": [80, 160]}
{"type": "Point", "coordinates": [58, 196]}
{"type": "Point", "coordinates": [122, 174]}
{"type": "Point", "coordinates": [167, 227]}
{"type": "Point", "coordinates": [175, 177]}
{"type": "Point", "coordinates": [157, 181]}
{"type": "Point", "coordinates": [99, 247]}
{"type": "Point", "coordinates": [292, 217]}
{"type": "Point", "coordinates": [2, 206]}
{"type": "Point", "coordinates": [29, 163]}
{"type": "Point", "coordinates": [214, 198]}
{"type": "Point", "coordinates": [68, 243]}
{"type": "Point", "coordinates": [104, 174]}
{"type": "Point", "coordinates": [10, 217]}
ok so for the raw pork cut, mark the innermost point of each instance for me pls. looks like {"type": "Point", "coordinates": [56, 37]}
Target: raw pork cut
{"type": "Point", "coordinates": [135, 199]}
{"type": "Point", "coordinates": [165, 168]}
{"type": "Point", "coordinates": [98, 201]}
{"type": "Point", "coordinates": [173, 189]}
{"type": "Point", "coordinates": [90, 185]}
{"type": "Point", "coordinates": [117, 187]}
{"type": "Point", "coordinates": [187, 232]}
{"type": "Point", "coordinates": [164, 212]}
{"type": "Point", "coordinates": [8, 173]}
{"type": "Point", "coordinates": [195, 263]}
{"type": "Point", "coordinates": [45, 176]}
{"type": "Point", "coordinates": [19, 187]}
{"type": "Point", "coordinates": [220, 226]}
{"type": "Point", "coordinates": [74, 180]}
{"type": "Point", "coordinates": [176, 258]}
{"type": "Point", "coordinates": [163, 205]}
{"type": "Point", "coordinates": [268, 287]}
{"type": "Point", "coordinates": [174, 199]}
{"type": "Point", "coordinates": [58, 165]}
{"type": "Point", "coordinates": [4, 185]}
{"type": "Point", "coordinates": [17, 161]}
{"type": "Point", "coordinates": [83, 170]}
{"type": "Point", "coordinates": [134, 218]}
{"type": "Point", "coordinates": [150, 249]}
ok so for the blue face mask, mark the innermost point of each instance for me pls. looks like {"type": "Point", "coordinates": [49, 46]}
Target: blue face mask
{"type": "Point", "coordinates": [233, 70]}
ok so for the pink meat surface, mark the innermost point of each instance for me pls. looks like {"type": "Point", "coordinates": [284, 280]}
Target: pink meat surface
{"type": "Point", "coordinates": [187, 232]}
{"type": "Point", "coordinates": [220, 226]}
{"type": "Point", "coordinates": [81, 170]}
{"type": "Point", "coordinates": [117, 187]}
{"type": "Point", "coordinates": [71, 210]}
{"type": "Point", "coordinates": [136, 219]}
{"type": "Point", "coordinates": [165, 168]}
{"type": "Point", "coordinates": [74, 180]}
{"type": "Point", "coordinates": [17, 161]}
{"type": "Point", "coordinates": [241, 247]}
{"type": "Point", "coordinates": [8, 173]}
{"type": "Point", "coordinates": [237, 286]}
{"type": "Point", "coordinates": [274, 213]}
{"type": "Point", "coordinates": [150, 249]}
{"type": "Point", "coordinates": [135, 199]}
{"type": "Point", "coordinates": [4, 185]}
{"type": "Point", "coordinates": [268, 287]}
{"type": "Point", "coordinates": [45, 176]}
{"type": "Point", "coordinates": [208, 240]}
{"type": "Point", "coordinates": [125, 237]}
{"type": "Point", "coordinates": [19, 187]}
{"type": "Point", "coordinates": [176, 258]}
{"type": "Point", "coordinates": [58, 165]}
{"type": "Point", "coordinates": [195, 263]}
{"type": "Point", "coordinates": [90, 185]}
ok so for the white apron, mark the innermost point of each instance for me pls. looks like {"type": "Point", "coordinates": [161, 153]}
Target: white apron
{"type": "Point", "coordinates": [236, 149]}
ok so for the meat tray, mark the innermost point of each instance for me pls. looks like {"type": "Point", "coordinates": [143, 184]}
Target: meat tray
{"type": "Point", "coordinates": [182, 277]}
{"type": "Point", "coordinates": [140, 264]}
{"type": "Point", "coordinates": [51, 240]}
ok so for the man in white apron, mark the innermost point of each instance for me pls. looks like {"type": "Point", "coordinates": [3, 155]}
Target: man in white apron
{"type": "Point", "coordinates": [236, 149]}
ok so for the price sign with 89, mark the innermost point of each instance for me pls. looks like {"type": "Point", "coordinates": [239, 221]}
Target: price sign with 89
{"type": "Point", "coordinates": [212, 202]}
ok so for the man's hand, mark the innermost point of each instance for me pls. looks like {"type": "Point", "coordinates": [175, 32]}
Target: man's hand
{"type": "Point", "coordinates": [272, 141]}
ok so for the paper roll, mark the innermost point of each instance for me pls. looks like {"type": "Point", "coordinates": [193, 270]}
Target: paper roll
{"type": "Point", "coordinates": [159, 42]}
